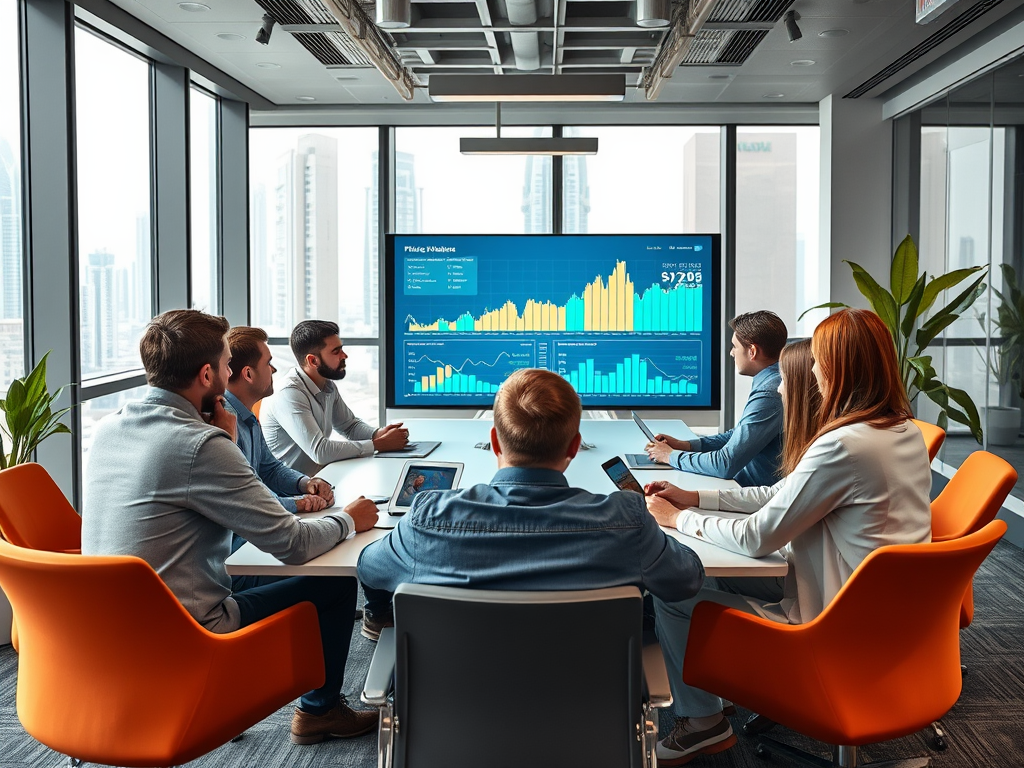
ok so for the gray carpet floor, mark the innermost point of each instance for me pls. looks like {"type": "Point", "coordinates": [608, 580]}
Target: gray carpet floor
{"type": "Point", "coordinates": [985, 728]}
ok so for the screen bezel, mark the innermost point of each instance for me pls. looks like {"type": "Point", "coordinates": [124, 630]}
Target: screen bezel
{"type": "Point", "coordinates": [394, 508]}
{"type": "Point", "coordinates": [386, 330]}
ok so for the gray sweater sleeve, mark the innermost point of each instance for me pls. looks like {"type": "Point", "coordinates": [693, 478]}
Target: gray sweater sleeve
{"type": "Point", "coordinates": [223, 487]}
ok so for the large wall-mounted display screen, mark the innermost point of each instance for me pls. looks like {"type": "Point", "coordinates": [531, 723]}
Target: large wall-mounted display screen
{"type": "Point", "coordinates": [631, 321]}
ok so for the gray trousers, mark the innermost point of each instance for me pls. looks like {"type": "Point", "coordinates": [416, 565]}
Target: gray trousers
{"type": "Point", "coordinates": [673, 626]}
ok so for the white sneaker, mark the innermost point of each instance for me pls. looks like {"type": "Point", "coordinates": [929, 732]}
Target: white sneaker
{"type": "Point", "coordinates": [686, 743]}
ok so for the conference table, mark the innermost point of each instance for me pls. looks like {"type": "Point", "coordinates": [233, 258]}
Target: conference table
{"type": "Point", "coordinates": [377, 477]}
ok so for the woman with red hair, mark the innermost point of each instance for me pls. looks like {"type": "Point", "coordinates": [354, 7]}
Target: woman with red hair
{"type": "Point", "coordinates": [858, 482]}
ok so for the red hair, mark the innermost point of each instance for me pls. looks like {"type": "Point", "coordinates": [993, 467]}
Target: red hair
{"type": "Point", "coordinates": [860, 378]}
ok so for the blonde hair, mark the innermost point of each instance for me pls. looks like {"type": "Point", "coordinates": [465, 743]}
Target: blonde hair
{"type": "Point", "coordinates": [536, 415]}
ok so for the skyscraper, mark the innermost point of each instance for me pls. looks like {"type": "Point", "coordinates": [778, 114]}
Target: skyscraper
{"type": "Point", "coordinates": [407, 221]}
{"type": "Point", "coordinates": [10, 234]}
{"type": "Point", "coordinates": [306, 235]}
{"type": "Point", "coordinates": [99, 326]}
{"type": "Point", "coordinates": [262, 284]}
{"type": "Point", "coordinates": [537, 193]}
{"type": "Point", "coordinates": [142, 296]}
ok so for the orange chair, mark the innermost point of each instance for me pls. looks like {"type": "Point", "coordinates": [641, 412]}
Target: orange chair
{"type": "Point", "coordinates": [933, 437]}
{"type": "Point", "coordinates": [34, 512]}
{"type": "Point", "coordinates": [151, 687]}
{"type": "Point", "coordinates": [971, 500]}
{"type": "Point", "coordinates": [256, 409]}
{"type": "Point", "coordinates": [881, 661]}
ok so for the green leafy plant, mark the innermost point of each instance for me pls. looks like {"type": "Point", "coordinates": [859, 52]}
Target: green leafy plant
{"type": "Point", "coordinates": [29, 417]}
{"type": "Point", "coordinates": [1007, 359]}
{"type": "Point", "coordinates": [903, 308]}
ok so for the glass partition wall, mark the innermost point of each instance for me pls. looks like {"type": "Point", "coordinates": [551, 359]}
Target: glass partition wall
{"type": "Point", "coordinates": [971, 183]}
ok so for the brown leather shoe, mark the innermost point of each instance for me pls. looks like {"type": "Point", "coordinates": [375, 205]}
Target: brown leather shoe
{"type": "Point", "coordinates": [342, 722]}
{"type": "Point", "coordinates": [373, 624]}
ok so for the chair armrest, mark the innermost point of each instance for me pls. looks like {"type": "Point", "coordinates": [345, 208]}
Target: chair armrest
{"type": "Point", "coordinates": [382, 670]}
{"type": "Point", "coordinates": [658, 689]}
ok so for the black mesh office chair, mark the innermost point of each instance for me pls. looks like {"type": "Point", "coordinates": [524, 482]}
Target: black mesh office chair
{"type": "Point", "coordinates": [516, 679]}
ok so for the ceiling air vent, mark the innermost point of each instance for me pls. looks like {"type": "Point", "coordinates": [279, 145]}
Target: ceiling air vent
{"type": "Point", "coordinates": [741, 46]}
{"type": "Point", "coordinates": [924, 47]}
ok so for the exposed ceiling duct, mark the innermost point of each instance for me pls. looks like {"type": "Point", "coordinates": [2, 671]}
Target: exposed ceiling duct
{"type": "Point", "coordinates": [525, 45]}
{"type": "Point", "coordinates": [341, 33]}
{"type": "Point", "coordinates": [712, 32]}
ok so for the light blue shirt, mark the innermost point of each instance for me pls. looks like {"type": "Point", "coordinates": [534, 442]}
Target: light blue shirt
{"type": "Point", "coordinates": [284, 481]}
{"type": "Point", "coordinates": [751, 452]}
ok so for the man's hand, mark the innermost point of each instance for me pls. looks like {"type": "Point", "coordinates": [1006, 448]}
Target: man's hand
{"type": "Point", "coordinates": [222, 418]}
{"type": "Point", "coordinates": [678, 497]}
{"type": "Point", "coordinates": [317, 486]}
{"type": "Point", "coordinates": [663, 511]}
{"type": "Point", "coordinates": [363, 513]}
{"type": "Point", "coordinates": [310, 503]}
{"type": "Point", "coordinates": [659, 451]}
{"type": "Point", "coordinates": [675, 445]}
{"type": "Point", "coordinates": [390, 438]}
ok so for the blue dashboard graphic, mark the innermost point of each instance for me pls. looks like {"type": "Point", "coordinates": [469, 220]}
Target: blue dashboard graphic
{"type": "Point", "coordinates": [629, 320]}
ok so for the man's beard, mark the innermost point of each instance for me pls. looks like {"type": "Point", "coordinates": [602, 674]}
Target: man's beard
{"type": "Point", "coordinates": [334, 374]}
{"type": "Point", "coordinates": [209, 401]}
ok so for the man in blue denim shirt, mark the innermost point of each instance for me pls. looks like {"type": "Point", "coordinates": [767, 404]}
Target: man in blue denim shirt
{"type": "Point", "coordinates": [750, 453]}
{"type": "Point", "coordinates": [527, 529]}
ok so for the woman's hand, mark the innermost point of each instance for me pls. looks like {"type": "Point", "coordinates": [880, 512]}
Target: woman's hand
{"type": "Point", "coordinates": [663, 511]}
{"type": "Point", "coordinates": [675, 495]}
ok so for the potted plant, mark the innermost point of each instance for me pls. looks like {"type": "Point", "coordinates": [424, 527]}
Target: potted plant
{"type": "Point", "coordinates": [29, 419]}
{"type": "Point", "coordinates": [1006, 360]}
{"type": "Point", "coordinates": [903, 308]}
{"type": "Point", "coordinates": [28, 416]}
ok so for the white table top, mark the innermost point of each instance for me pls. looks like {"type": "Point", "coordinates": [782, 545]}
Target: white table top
{"type": "Point", "coordinates": [377, 477]}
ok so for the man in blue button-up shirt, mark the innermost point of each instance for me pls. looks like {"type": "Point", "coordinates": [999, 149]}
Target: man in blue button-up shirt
{"type": "Point", "coordinates": [750, 453]}
{"type": "Point", "coordinates": [252, 380]}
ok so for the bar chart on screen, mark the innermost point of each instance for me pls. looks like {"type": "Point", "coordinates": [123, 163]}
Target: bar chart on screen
{"type": "Point", "coordinates": [464, 366]}
{"type": "Point", "coordinates": [638, 368]}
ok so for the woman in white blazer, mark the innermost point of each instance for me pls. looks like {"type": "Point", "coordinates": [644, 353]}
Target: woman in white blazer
{"type": "Point", "coordinates": [857, 478]}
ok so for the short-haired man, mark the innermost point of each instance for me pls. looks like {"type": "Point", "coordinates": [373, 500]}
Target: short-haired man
{"type": "Point", "coordinates": [749, 453]}
{"type": "Point", "coordinates": [166, 482]}
{"type": "Point", "coordinates": [300, 420]}
{"type": "Point", "coordinates": [252, 379]}
{"type": "Point", "coordinates": [499, 536]}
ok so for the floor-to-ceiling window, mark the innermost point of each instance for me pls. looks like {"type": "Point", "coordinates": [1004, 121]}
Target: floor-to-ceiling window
{"type": "Point", "coordinates": [777, 213]}
{"type": "Point", "coordinates": [12, 311]}
{"type": "Point", "coordinates": [204, 272]}
{"type": "Point", "coordinates": [971, 184]}
{"type": "Point", "coordinates": [313, 244]}
{"type": "Point", "coordinates": [113, 169]}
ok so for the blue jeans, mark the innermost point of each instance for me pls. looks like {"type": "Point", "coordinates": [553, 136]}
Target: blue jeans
{"type": "Point", "coordinates": [378, 602]}
{"type": "Point", "coordinates": [673, 626]}
{"type": "Point", "coordinates": [335, 600]}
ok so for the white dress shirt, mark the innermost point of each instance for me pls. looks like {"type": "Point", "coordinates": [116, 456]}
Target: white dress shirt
{"type": "Point", "coordinates": [856, 489]}
{"type": "Point", "coordinates": [299, 419]}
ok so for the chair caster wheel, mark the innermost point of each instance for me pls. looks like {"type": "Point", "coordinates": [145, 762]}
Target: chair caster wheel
{"type": "Point", "coordinates": [762, 751]}
{"type": "Point", "coordinates": [939, 742]}
{"type": "Point", "coordinates": [756, 724]}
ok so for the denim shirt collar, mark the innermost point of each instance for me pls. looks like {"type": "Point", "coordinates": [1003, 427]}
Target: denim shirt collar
{"type": "Point", "coordinates": [174, 400]}
{"type": "Point", "coordinates": [244, 414]}
{"type": "Point", "coordinates": [771, 372]}
{"type": "Point", "coordinates": [529, 476]}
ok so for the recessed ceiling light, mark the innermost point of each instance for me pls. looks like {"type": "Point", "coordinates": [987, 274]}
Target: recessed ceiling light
{"type": "Point", "coordinates": [230, 36]}
{"type": "Point", "coordinates": [834, 33]}
{"type": "Point", "coordinates": [267, 65]}
{"type": "Point", "coordinates": [193, 7]}
{"type": "Point", "coordinates": [803, 63]}
{"type": "Point", "coordinates": [774, 96]}
{"type": "Point", "coordinates": [345, 77]}
{"type": "Point", "coordinates": [719, 77]}
{"type": "Point", "coordinates": [306, 98]}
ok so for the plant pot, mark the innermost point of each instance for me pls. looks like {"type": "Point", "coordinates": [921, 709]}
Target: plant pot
{"type": "Point", "coordinates": [1002, 424]}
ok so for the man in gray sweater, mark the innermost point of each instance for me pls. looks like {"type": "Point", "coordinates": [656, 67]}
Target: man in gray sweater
{"type": "Point", "coordinates": [166, 482]}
